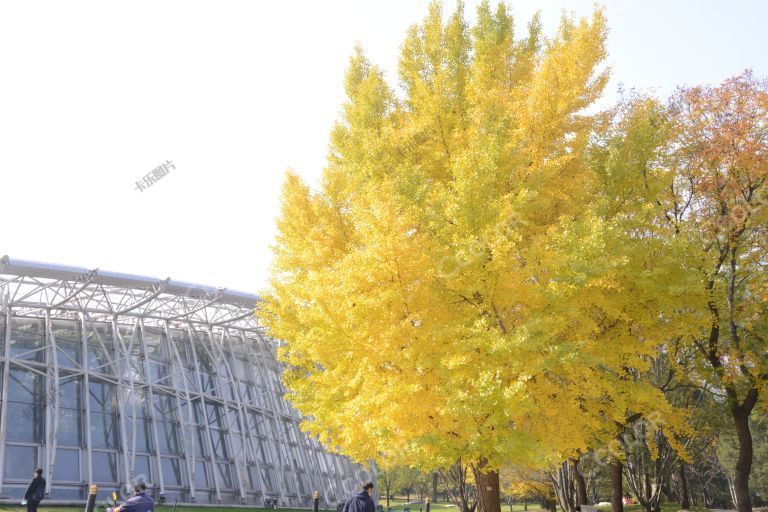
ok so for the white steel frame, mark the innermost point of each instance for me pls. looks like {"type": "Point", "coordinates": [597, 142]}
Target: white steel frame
{"type": "Point", "coordinates": [226, 325]}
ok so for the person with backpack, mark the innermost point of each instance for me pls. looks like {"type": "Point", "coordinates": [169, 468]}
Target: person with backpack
{"type": "Point", "coordinates": [362, 501]}
{"type": "Point", "coordinates": [36, 491]}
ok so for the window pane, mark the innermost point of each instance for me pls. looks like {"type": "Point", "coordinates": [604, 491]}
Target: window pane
{"type": "Point", "coordinates": [288, 480]}
{"type": "Point", "coordinates": [267, 475]}
{"type": "Point", "coordinates": [27, 335]}
{"type": "Point", "coordinates": [182, 346]}
{"type": "Point", "coordinates": [191, 379]}
{"type": "Point", "coordinates": [25, 422]}
{"type": "Point", "coordinates": [141, 470]}
{"type": "Point", "coordinates": [160, 373]}
{"type": "Point", "coordinates": [102, 397]}
{"type": "Point", "coordinates": [98, 357]}
{"type": "Point", "coordinates": [154, 340]}
{"type": "Point", "coordinates": [225, 475]}
{"type": "Point", "coordinates": [201, 475]}
{"type": "Point", "coordinates": [135, 402]}
{"type": "Point", "coordinates": [100, 348]}
{"type": "Point", "coordinates": [302, 481]}
{"type": "Point", "coordinates": [260, 453]}
{"type": "Point", "coordinates": [253, 476]}
{"type": "Point", "coordinates": [168, 434]}
{"type": "Point", "coordinates": [172, 471]}
{"type": "Point", "coordinates": [69, 353]}
{"type": "Point", "coordinates": [20, 462]}
{"type": "Point", "coordinates": [67, 336]}
{"type": "Point", "coordinates": [67, 465]}
{"type": "Point", "coordinates": [219, 444]}
{"type": "Point", "coordinates": [66, 330]}
{"type": "Point", "coordinates": [69, 393]}
{"type": "Point", "coordinates": [70, 427]}
{"type": "Point", "coordinates": [103, 430]}
{"type": "Point", "coordinates": [105, 467]}
{"type": "Point", "coordinates": [143, 443]}
{"type": "Point", "coordinates": [24, 386]}
{"type": "Point", "coordinates": [201, 447]}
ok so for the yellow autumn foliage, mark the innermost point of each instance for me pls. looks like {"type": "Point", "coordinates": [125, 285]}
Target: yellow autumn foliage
{"type": "Point", "coordinates": [469, 280]}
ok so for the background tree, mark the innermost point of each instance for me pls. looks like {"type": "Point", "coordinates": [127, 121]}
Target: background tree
{"type": "Point", "coordinates": [728, 452]}
{"type": "Point", "coordinates": [720, 156]}
{"type": "Point", "coordinates": [459, 485]}
{"type": "Point", "coordinates": [529, 484]}
{"type": "Point", "coordinates": [389, 481]}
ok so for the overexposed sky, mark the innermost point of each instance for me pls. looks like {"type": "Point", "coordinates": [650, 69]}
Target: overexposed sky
{"type": "Point", "coordinates": [94, 95]}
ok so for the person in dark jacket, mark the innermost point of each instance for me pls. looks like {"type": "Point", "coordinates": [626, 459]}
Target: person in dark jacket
{"type": "Point", "coordinates": [140, 502]}
{"type": "Point", "coordinates": [362, 501]}
{"type": "Point", "coordinates": [36, 491]}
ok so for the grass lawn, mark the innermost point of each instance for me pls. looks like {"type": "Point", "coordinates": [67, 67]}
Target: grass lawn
{"type": "Point", "coordinates": [665, 507]}
{"type": "Point", "coordinates": [397, 506]}
{"type": "Point", "coordinates": [158, 508]}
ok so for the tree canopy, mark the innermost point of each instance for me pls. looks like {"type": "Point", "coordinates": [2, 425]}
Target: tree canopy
{"type": "Point", "coordinates": [491, 270]}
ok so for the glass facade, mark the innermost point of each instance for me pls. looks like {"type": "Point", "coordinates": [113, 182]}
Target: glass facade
{"type": "Point", "coordinates": [116, 394]}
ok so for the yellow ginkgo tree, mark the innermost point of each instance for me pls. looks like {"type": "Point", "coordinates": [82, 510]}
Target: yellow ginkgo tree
{"type": "Point", "coordinates": [459, 286]}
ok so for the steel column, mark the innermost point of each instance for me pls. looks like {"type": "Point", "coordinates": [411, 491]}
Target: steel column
{"type": "Point", "coordinates": [190, 459]}
{"type": "Point", "coordinates": [86, 397]}
{"type": "Point", "coordinates": [247, 342]}
{"type": "Point", "coordinates": [275, 413]}
{"type": "Point", "coordinates": [276, 463]}
{"type": "Point", "coordinates": [54, 392]}
{"type": "Point", "coordinates": [209, 440]}
{"type": "Point", "coordinates": [119, 363]}
{"type": "Point", "coordinates": [151, 407]}
{"type": "Point", "coordinates": [233, 380]}
{"type": "Point", "coordinates": [4, 403]}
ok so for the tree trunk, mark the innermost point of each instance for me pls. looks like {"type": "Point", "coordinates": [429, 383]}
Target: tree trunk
{"type": "Point", "coordinates": [666, 492]}
{"type": "Point", "coordinates": [488, 494]}
{"type": "Point", "coordinates": [434, 487]}
{"type": "Point", "coordinates": [744, 463]}
{"type": "Point", "coordinates": [581, 485]}
{"type": "Point", "coordinates": [553, 505]}
{"type": "Point", "coordinates": [685, 502]}
{"type": "Point", "coordinates": [525, 504]}
{"type": "Point", "coordinates": [617, 491]}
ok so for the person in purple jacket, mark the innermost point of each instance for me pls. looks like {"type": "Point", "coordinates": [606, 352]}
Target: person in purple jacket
{"type": "Point", "coordinates": [362, 501]}
{"type": "Point", "coordinates": [140, 502]}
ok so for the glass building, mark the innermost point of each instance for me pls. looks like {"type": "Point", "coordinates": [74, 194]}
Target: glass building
{"type": "Point", "coordinates": [111, 378]}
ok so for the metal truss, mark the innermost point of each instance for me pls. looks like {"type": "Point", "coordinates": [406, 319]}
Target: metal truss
{"type": "Point", "coordinates": [213, 327]}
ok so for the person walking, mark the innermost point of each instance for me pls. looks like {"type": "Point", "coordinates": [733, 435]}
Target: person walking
{"type": "Point", "coordinates": [362, 501]}
{"type": "Point", "coordinates": [140, 502]}
{"type": "Point", "coordinates": [36, 491]}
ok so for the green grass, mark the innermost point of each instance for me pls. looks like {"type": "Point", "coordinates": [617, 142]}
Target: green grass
{"type": "Point", "coordinates": [397, 505]}
{"type": "Point", "coordinates": [158, 508]}
{"type": "Point", "coordinates": [665, 507]}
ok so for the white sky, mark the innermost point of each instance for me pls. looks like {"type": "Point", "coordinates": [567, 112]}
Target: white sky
{"type": "Point", "coordinates": [93, 95]}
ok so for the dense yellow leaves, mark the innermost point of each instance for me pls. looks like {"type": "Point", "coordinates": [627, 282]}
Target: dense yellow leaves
{"type": "Point", "coordinates": [469, 281]}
